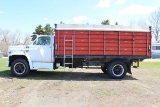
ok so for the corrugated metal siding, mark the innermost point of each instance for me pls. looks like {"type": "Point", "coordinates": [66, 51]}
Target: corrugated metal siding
{"type": "Point", "coordinates": [104, 42]}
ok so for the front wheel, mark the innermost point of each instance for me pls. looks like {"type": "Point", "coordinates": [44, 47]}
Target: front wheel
{"type": "Point", "coordinates": [117, 69]}
{"type": "Point", "coordinates": [20, 68]}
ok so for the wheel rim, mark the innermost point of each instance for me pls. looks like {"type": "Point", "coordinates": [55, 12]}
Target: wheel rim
{"type": "Point", "coordinates": [118, 70]}
{"type": "Point", "coordinates": [19, 68]}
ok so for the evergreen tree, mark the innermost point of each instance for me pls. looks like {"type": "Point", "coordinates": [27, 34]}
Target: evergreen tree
{"type": "Point", "coordinates": [61, 22]}
{"type": "Point", "coordinates": [116, 23]}
{"type": "Point", "coordinates": [48, 30]}
{"type": "Point", "coordinates": [105, 22]}
{"type": "Point", "coordinates": [39, 30]}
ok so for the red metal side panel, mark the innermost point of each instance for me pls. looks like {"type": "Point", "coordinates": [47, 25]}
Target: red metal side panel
{"type": "Point", "coordinates": [104, 43]}
{"type": "Point", "coordinates": [96, 43]}
{"type": "Point", "coordinates": [59, 41]}
{"type": "Point", "coordinates": [111, 43]}
{"type": "Point", "coordinates": [81, 44]}
{"type": "Point", "coordinates": [140, 42]}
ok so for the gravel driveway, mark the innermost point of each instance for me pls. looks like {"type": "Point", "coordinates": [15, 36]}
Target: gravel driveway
{"type": "Point", "coordinates": [81, 88]}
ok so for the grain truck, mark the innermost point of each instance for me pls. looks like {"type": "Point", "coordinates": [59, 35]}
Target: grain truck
{"type": "Point", "coordinates": [111, 47]}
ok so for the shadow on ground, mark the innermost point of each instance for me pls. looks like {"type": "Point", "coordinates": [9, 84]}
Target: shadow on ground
{"type": "Point", "coordinates": [65, 75]}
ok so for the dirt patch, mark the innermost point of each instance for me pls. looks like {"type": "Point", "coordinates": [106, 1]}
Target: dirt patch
{"type": "Point", "coordinates": [81, 88]}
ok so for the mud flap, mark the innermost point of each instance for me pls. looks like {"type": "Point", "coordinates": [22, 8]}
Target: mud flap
{"type": "Point", "coordinates": [129, 67]}
{"type": "Point", "coordinates": [129, 70]}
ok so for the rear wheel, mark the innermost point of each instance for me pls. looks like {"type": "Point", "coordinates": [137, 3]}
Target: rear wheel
{"type": "Point", "coordinates": [117, 69]}
{"type": "Point", "coordinates": [20, 68]}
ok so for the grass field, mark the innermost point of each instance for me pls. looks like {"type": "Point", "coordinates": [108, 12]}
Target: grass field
{"type": "Point", "coordinates": [4, 70]}
{"type": "Point", "coordinates": [150, 65]}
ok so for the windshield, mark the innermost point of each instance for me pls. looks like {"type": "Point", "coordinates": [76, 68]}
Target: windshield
{"type": "Point", "coordinates": [42, 41]}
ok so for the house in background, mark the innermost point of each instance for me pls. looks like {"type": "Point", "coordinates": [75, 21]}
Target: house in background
{"type": "Point", "coordinates": [155, 50]}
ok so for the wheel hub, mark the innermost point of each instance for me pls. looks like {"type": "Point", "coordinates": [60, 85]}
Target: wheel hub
{"type": "Point", "coordinates": [19, 68]}
{"type": "Point", "coordinates": [118, 70]}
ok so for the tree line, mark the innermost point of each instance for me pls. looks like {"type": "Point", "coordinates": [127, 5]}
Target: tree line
{"type": "Point", "coordinates": [46, 30]}
{"type": "Point", "coordinates": [8, 38]}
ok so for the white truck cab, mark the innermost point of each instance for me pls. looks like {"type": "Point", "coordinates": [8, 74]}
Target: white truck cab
{"type": "Point", "coordinates": [39, 55]}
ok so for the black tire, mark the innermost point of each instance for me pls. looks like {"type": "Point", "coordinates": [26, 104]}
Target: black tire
{"type": "Point", "coordinates": [117, 69]}
{"type": "Point", "coordinates": [20, 68]}
{"type": "Point", "coordinates": [104, 69]}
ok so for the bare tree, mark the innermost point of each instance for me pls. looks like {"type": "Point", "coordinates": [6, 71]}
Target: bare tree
{"type": "Point", "coordinates": [154, 21]}
{"type": "Point", "coordinates": [8, 38]}
{"type": "Point", "coordinates": [27, 39]}
{"type": "Point", "coordinates": [15, 38]}
{"type": "Point", "coordinates": [4, 41]}
{"type": "Point", "coordinates": [142, 23]}
{"type": "Point", "coordinates": [132, 23]}
{"type": "Point", "coordinates": [0, 32]}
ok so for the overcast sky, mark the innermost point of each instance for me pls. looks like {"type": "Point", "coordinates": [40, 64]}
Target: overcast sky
{"type": "Point", "coordinates": [25, 15]}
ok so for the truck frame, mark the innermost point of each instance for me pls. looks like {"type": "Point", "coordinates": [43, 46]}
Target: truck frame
{"type": "Point", "coordinates": [113, 48]}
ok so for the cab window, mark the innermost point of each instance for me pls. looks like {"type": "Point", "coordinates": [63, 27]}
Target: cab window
{"type": "Point", "coordinates": [43, 41]}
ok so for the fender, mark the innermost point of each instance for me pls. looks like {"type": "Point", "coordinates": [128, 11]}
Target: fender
{"type": "Point", "coordinates": [29, 61]}
{"type": "Point", "coordinates": [27, 57]}
{"type": "Point", "coordinates": [21, 52]}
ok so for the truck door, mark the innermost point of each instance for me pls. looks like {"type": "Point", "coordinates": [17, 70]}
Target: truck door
{"type": "Point", "coordinates": [41, 50]}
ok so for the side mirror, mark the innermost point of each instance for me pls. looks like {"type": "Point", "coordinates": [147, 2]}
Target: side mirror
{"type": "Point", "coordinates": [34, 37]}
